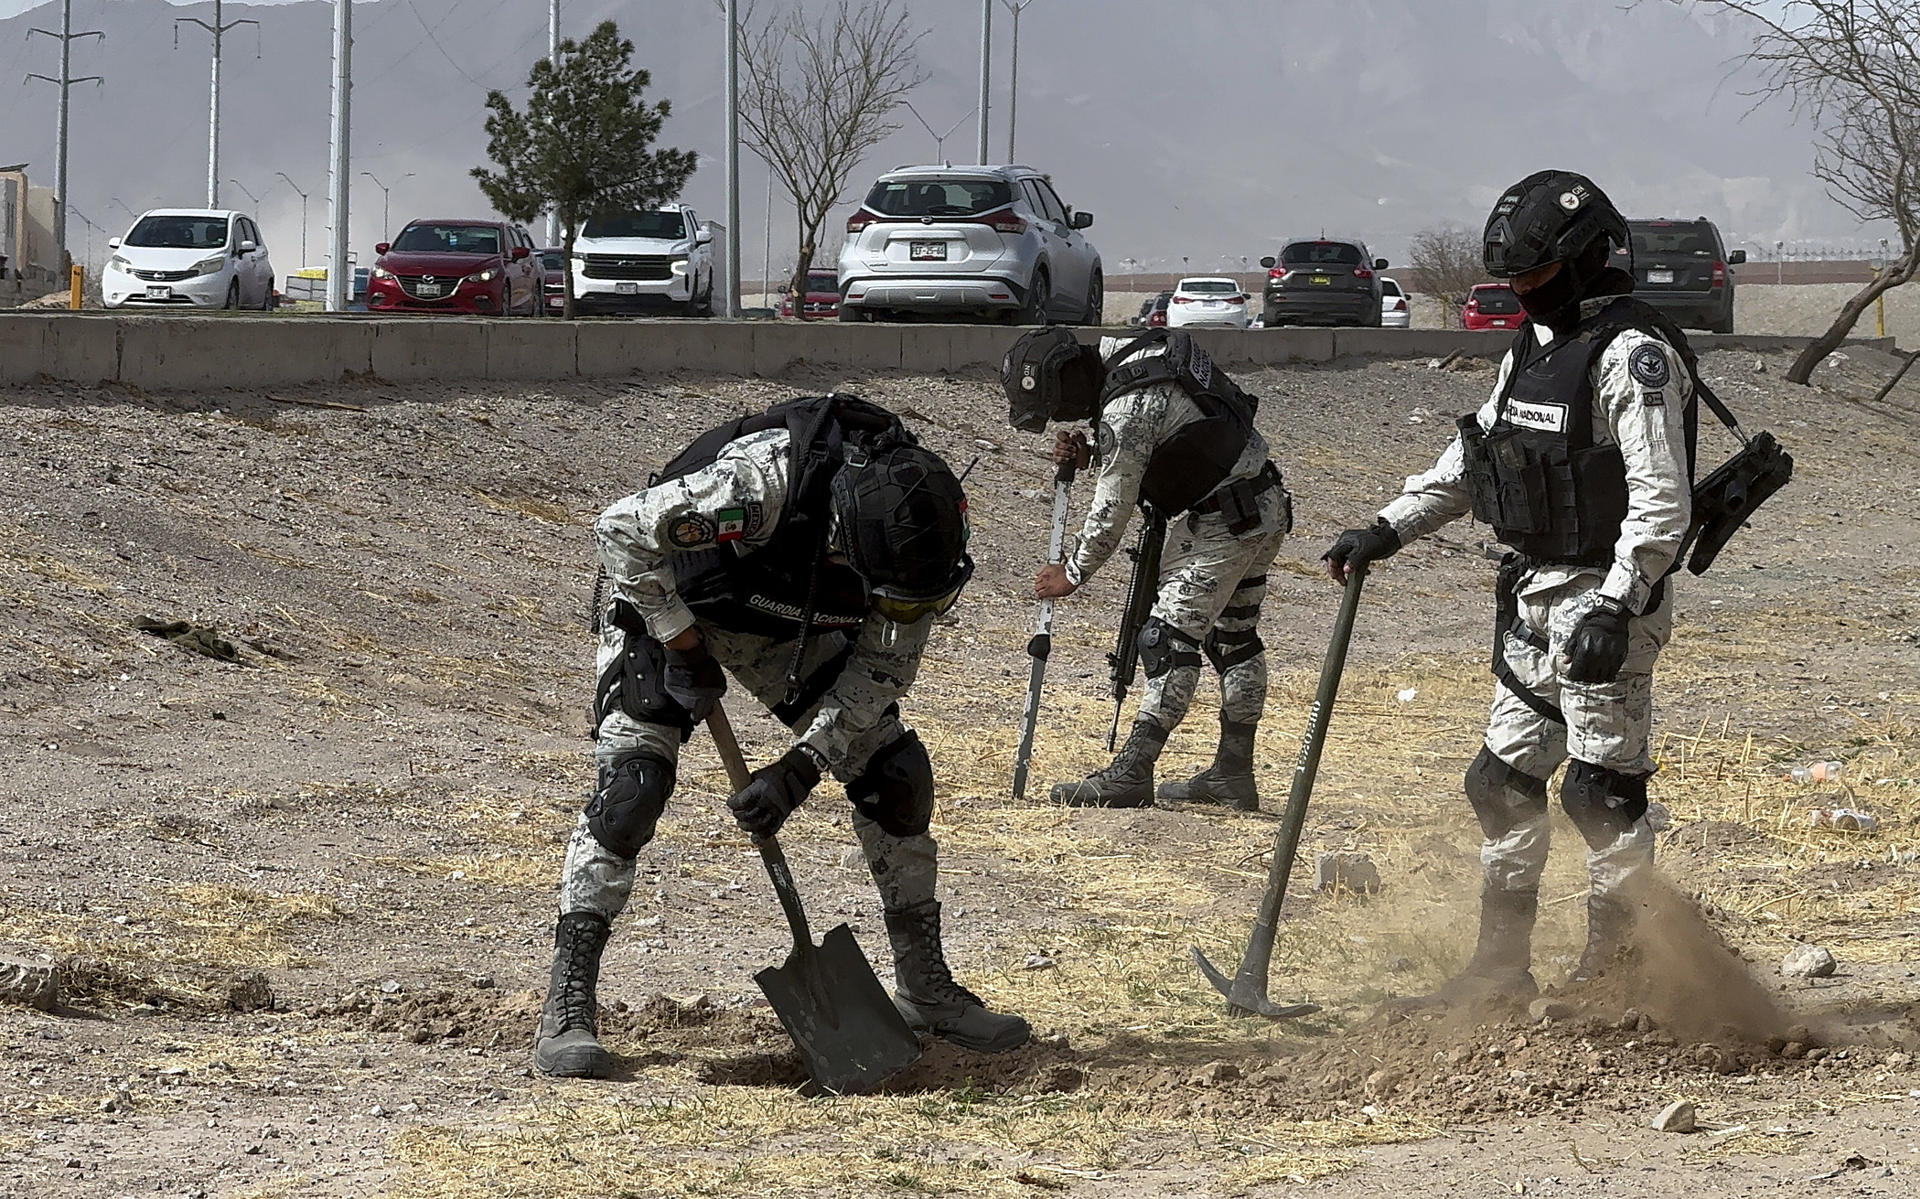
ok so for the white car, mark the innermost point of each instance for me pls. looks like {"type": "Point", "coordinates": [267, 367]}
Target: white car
{"type": "Point", "coordinates": [189, 258]}
{"type": "Point", "coordinates": [1394, 311]}
{"type": "Point", "coordinates": [1207, 301]}
{"type": "Point", "coordinates": [644, 262]}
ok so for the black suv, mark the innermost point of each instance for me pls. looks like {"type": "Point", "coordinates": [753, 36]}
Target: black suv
{"type": "Point", "coordinates": [1323, 281]}
{"type": "Point", "coordinates": [1680, 267]}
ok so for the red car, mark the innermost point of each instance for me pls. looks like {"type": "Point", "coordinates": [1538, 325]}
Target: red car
{"type": "Point", "coordinates": [823, 298]}
{"type": "Point", "coordinates": [487, 268]}
{"type": "Point", "coordinates": [553, 267]}
{"type": "Point", "coordinates": [1492, 306]}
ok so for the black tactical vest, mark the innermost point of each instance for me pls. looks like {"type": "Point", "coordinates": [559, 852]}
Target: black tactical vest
{"type": "Point", "coordinates": [1537, 476]}
{"type": "Point", "coordinates": [1187, 467]}
{"type": "Point", "coordinates": [765, 591]}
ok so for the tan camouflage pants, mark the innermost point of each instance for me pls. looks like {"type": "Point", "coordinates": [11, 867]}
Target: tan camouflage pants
{"type": "Point", "coordinates": [1607, 724]}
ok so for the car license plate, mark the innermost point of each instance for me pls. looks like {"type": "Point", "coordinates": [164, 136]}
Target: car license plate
{"type": "Point", "coordinates": [927, 251]}
{"type": "Point", "coordinates": [1659, 276]}
{"type": "Point", "coordinates": [428, 290]}
{"type": "Point", "coordinates": [1321, 280]}
{"type": "Point", "coordinates": [627, 289]}
{"type": "Point", "coordinates": [159, 293]}
{"type": "Point", "coordinates": [1500, 324]}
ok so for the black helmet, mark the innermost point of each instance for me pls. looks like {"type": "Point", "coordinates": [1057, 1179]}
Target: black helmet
{"type": "Point", "coordinates": [1049, 375]}
{"type": "Point", "coordinates": [1550, 216]}
{"type": "Point", "coordinates": [903, 527]}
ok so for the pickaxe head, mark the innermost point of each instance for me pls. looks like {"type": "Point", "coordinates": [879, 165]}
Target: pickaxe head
{"type": "Point", "coordinates": [1246, 993]}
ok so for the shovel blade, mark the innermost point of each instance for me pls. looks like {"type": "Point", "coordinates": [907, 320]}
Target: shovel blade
{"type": "Point", "coordinates": [850, 1035]}
{"type": "Point", "coordinates": [1246, 997]}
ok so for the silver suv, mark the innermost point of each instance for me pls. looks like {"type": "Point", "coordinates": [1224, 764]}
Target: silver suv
{"type": "Point", "coordinates": [991, 241]}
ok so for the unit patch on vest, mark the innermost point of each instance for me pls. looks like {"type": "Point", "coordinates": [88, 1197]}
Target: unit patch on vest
{"type": "Point", "coordinates": [1104, 442]}
{"type": "Point", "coordinates": [1548, 418]}
{"type": "Point", "coordinates": [691, 531]}
{"type": "Point", "coordinates": [1648, 365]}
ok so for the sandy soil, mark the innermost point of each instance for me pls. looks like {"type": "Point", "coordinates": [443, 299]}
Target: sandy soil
{"type": "Point", "coordinates": [301, 900]}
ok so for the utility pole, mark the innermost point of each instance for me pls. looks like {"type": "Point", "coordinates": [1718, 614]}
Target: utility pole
{"type": "Point", "coordinates": [65, 83]}
{"type": "Point", "coordinates": [339, 172]}
{"type": "Point", "coordinates": [986, 72]}
{"type": "Point", "coordinates": [1013, 74]}
{"type": "Point", "coordinates": [733, 158]}
{"type": "Point", "coordinates": [218, 30]}
{"type": "Point", "coordinates": [303, 217]}
{"type": "Point", "coordinates": [553, 56]}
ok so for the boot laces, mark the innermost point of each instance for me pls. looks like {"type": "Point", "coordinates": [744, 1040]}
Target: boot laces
{"type": "Point", "coordinates": [574, 1000]}
{"type": "Point", "coordinates": [936, 974]}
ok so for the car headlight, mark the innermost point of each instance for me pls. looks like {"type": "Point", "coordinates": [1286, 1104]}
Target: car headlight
{"type": "Point", "coordinates": [678, 266]}
{"type": "Point", "coordinates": [381, 272]}
{"type": "Point", "coordinates": [210, 266]}
{"type": "Point", "coordinates": [119, 264]}
{"type": "Point", "coordinates": [485, 276]}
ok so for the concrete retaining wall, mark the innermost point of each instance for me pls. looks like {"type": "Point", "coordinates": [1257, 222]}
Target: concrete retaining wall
{"type": "Point", "coordinates": [192, 353]}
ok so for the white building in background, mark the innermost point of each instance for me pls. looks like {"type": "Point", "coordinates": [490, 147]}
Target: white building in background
{"type": "Point", "coordinates": [29, 253]}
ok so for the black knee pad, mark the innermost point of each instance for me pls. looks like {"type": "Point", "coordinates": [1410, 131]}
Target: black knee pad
{"type": "Point", "coordinates": [628, 801]}
{"type": "Point", "coordinates": [895, 791]}
{"type": "Point", "coordinates": [1228, 650]}
{"type": "Point", "coordinates": [1602, 803]}
{"type": "Point", "coordinates": [1163, 647]}
{"type": "Point", "coordinates": [635, 680]}
{"type": "Point", "coordinates": [1502, 797]}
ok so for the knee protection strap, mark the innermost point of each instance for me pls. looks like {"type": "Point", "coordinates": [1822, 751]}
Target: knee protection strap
{"type": "Point", "coordinates": [1602, 803]}
{"type": "Point", "coordinates": [1163, 647]}
{"type": "Point", "coordinates": [627, 803]}
{"type": "Point", "coordinates": [895, 790]}
{"type": "Point", "coordinates": [635, 681]}
{"type": "Point", "coordinates": [1502, 797]}
{"type": "Point", "coordinates": [1228, 650]}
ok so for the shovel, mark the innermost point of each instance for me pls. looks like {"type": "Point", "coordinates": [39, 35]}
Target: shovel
{"type": "Point", "coordinates": [1246, 992]}
{"type": "Point", "coordinates": [850, 1036]}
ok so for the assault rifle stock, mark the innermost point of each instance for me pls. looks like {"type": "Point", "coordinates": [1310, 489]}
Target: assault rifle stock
{"type": "Point", "coordinates": [1141, 590]}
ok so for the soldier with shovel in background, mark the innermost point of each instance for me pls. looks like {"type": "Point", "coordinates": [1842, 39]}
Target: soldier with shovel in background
{"type": "Point", "coordinates": [807, 550]}
{"type": "Point", "coordinates": [1174, 435]}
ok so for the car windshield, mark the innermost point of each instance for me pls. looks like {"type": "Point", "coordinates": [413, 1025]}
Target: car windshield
{"type": "Point", "coordinates": [179, 232]}
{"type": "Point", "coordinates": [823, 281]}
{"type": "Point", "coordinates": [1321, 253]}
{"type": "Point", "coordinates": [1497, 301]}
{"type": "Point", "coordinates": [1389, 288]}
{"type": "Point", "coordinates": [553, 260]}
{"type": "Point", "coordinates": [449, 239]}
{"type": "Point", "coordinates": [1210, 287]}
{"type": "Point", "coordinates": [660, 226]}
{"type": "Point", "coordinates": [1669, 240]}
{"type": "Point", "coordinates": [938, 197]}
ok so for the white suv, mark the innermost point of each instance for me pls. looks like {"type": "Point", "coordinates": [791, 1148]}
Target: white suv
{"type": "Point", "coordinates": [644, 261]}
{"type": "Point", "coordinates": [977, 240]}
{"type": "Point", "coordinates": [189, 258]}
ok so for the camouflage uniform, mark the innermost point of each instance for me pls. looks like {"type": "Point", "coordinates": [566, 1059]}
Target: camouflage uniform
{"type": "Point", "coordinates": [1212, 582]}
{"type": "Point", "coordinates": [1607, 725]}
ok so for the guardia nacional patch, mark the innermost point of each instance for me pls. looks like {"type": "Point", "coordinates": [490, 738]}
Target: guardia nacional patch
{"type": "Point", "coordinates": [691, 531]}
{"type": "Point", "coordinates": [1648, 365]}
{"type": "Point", "coordinates": [1103, 442]}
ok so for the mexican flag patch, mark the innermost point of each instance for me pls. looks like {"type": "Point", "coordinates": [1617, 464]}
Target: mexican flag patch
{"type": "Point", "coordinates": [733, 524]}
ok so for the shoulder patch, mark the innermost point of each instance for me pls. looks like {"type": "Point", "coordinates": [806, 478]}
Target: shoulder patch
{"type": "Point", "coordinates": [692, 531]}
{"type": "Point", "coordinates": [1648, 365]}
{"type": "Point", "coordinates": [1103, 442]}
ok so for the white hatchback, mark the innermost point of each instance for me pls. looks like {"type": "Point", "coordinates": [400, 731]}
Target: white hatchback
{"type": "Point", "coordinates": [1207, 301]}
{"type": "Point", "coordinates": [189, 258]}
{"type": "Point", "coordinates": [1394, 311]}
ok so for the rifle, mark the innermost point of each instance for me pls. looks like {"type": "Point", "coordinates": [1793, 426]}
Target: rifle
{"type": "Point", "coordinates": [1141, 591]}
{"type": "Point", "coordinates": [1041, 646]}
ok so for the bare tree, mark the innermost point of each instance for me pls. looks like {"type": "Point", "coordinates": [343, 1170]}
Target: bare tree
{"type": "Point", "coordinates": [1449, 261]}
{"type": "Point", "coordinates": [817, 95]}
{"type": "Point", "coordinates": [1852, 67]}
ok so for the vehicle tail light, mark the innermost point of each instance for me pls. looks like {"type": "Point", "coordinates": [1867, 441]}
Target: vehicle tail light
{"type": "Point", "coordinates": [1361, 272]}
{"type": "Point", "coordinates": [1183, 299]}
{"type": "Point", "coordinates": [860, 219]}
{"type": "Point", "coordinates": [1004, 220]}
{"type": "Point", "coordinates": [1236, 299]}
{"type": "Point", "coordinates": [1276, 273]}
{"type": "Point", "coordinates": [1157, 320]}
{"type": "Point", "coordinates": [1719, 274]}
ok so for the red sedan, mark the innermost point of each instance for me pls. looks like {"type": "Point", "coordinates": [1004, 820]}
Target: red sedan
{"type": "Point", "coordinates": [485, 268]}
{"type": "Point", "coordinates": [1491, 306]}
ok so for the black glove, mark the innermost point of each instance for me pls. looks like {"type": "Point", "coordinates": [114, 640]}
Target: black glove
{"type": "Point", "coordinates": [764, 804]}
{"type": "Point", "coordinates": [1598, 647]}
{"type": "Point", "coordinates": [694, 680]}
{"type": "Point", "coordinates": [1361, 547]}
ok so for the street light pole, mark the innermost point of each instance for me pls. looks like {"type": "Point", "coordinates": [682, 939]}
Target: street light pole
{"type": "Point", "coordinates": [303, 216]}
{"type": "Point", "coordinates": [386, 195]}
{"type": "Point", "coordinates": [553, 56]}
{"type": "Point", "coordinates": [66, 81]}
{"type": "Point", "coordinates": [939, 139]}
{"type": "Point", "coordinates": [339, 159]}
{"type": "Point", "coordinates": [1013, 73]}
{"type": "Point", "coordinates": [733, 158]}
{"type": "Point", "coordinates": [249, 194]}
{"type": "Point", "coordinates": [986, 72]}
{"type": "Point", "coordinates": [218, 30]}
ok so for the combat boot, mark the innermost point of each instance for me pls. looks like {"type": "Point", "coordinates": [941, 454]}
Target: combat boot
{"type": "Point", "coordinates": [1500, 969]}
{"type": "Point", "coordinates": [1609, 922]}
{"type": "Point", "coordinates": [1228, 781]}
{"type": "Point", "coordinates": [1125, 782]}
{"type": "Point", "coordinates": [568, 1044]}
{"type": "Point", "coordinates": [927, 996]}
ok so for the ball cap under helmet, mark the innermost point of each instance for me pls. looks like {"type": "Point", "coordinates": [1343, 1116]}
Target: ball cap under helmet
{"type": "Point", "coordinates": [1550, 216]}
{"type": "Point", "coordinates": [903, 527]}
